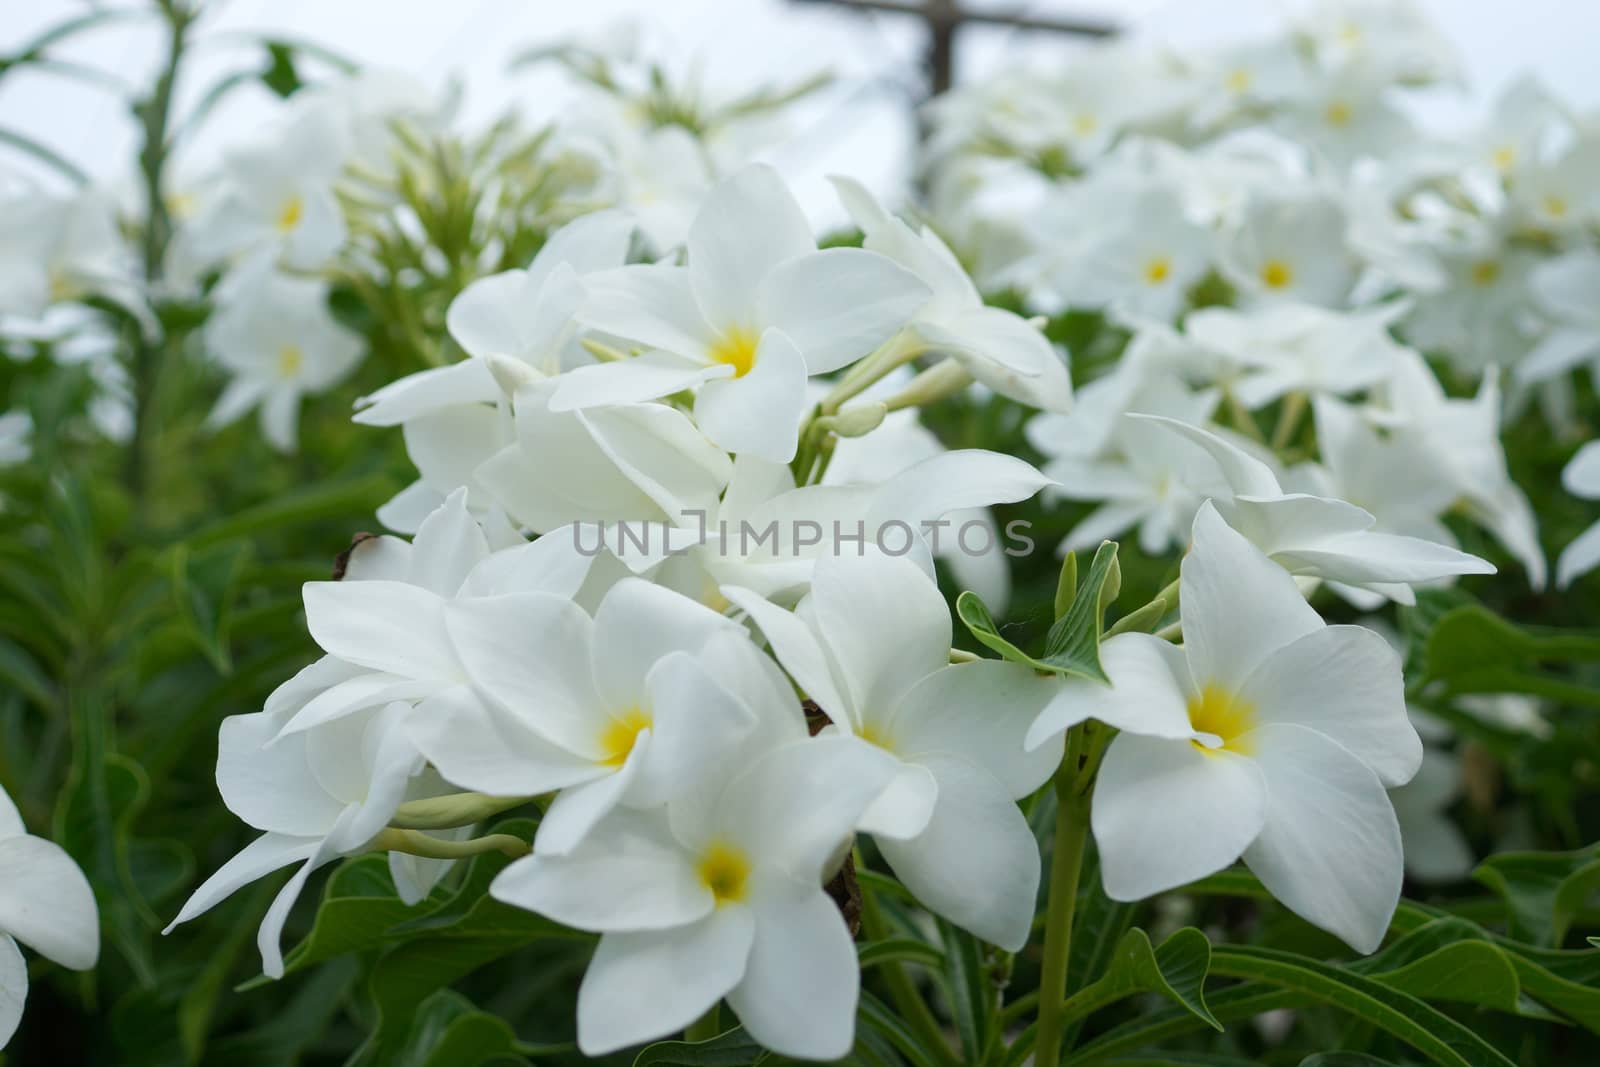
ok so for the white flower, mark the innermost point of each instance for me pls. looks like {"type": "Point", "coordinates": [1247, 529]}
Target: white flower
{"type": "Point", "coordinates": [278, 338]}
{"type": "Point", "coordinates": [1388, 40]}
{"type": "Point", "coordinates": [277, 195]}
{"type": "Point", "coordinates": [642, 462]}
{"type": "Point", "coordinates": [756, 311]}
{"type": "Point", "coordinates": [610, 710]}
{"type": "Point", "coordinates": [55, 249]}
{"type": "Point", "coordinates": [1234, 81]}
{"type": "Point", "coordinates": [1565, 288]}
{"type": "Point", "coordinates": [719, 896]}
{"type": "Point", "coordinates": [47, 904]}
{"type": "Point", "coordinates": [456, 417]}
{"type": "Point", "coordinates": [1312, 536]}
{"type": "Point", "coordinates": [1347, 116]}
{"type": "Point", "coordinates": [871, 646]}
{"type": "Point", "coordinates": [1462, 437]}
{"type": "Point", "coordinates": [1280, 735]}
{"type": "Point", "coordinates": [661, 176]}
{"type": "Point", "coordinates": [1290, 247]}
{"type": "Point", "coordinates": [1284, 348]}
{"type": "Point", "coordinates": [1581, 478]}
{"type": "Point", "coordinates": [1559, 197]}
{"type": "Point", "coordinates": [997, 347]}
{"type": "Point", "coordinates": [1519, 123]}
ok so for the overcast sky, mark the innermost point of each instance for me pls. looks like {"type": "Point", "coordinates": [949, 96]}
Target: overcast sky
{"type": "Point", "coordinates": [860, 128]}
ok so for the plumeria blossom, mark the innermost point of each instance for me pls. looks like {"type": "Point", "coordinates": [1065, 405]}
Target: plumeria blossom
{"type": "Point", "coordinates": [1274, 736]}
{"type": "Point", "coordinates": [55, 249]}
{"type": "Point", "coordinates": [610, 710]}
{"type": "Point", "coordinates": [1564, 289]}
{"type": "Point", "coordinates": [278, 197]}
{"type": "Point", "coordinates": [45, 903]}
{"type": "Point", "coordinates": [1290, 248]}
{"type": "Point", "coordinates": [871, 645]}
{"type": "Point", "coordinates": [1581, 478]}
{"type": "Point", "coordinates": [997, 347]}
{"type": "Point", "coordinates": [277, 336]}
{"type": "Point", "coordinates": [756, 311]}
{"type": "Point", "coordinates": [456, 417]}
{"type": "Point", "coordinates": [1312, 536]}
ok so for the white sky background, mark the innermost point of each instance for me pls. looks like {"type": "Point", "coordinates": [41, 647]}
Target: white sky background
{"type": "Point", "coordinates": [862, 126]}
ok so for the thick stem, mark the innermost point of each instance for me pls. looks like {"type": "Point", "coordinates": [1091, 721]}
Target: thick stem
{"type": "Point", "coordinates": [155, 115]}
{"type": "Point", "coordinates": [1071, 835]}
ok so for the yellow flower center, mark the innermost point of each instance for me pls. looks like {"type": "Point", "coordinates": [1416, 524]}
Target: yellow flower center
{"type": "Point", "coordinates": [618, 736]}
{"type": "Point", "coordinates": [1504, 157]}
{"type": "Point", "coordinates": [736, 348]}
{"type": "Point", "coordinates": [873, 736]}
{"type": "Point", "coordinates": [290, 359]}
{"type": "Point", "coordinates": [290, 214]}
{"type": "Point", "coordinates": [62, 287]}
{"type": "Point", "coordinates": [1084, 125]}
{"type": "Point", "coordinates": [1238, 80]}
{"type": "Point", "coordinates": [1158, 270]}
{"type": "Point", "coordinates": [1485, 272]}
{"type": "Point", "coordinates": [1350, 34]}
{"type": "Point", "coordinates": [1276, 274]}
{"type": "Point", "coordinates": [1555, 206]}
{"type": "Point", "coordinates": [1219, 712]}
{"type": "Point", "coordinates": [1339, 113]}
{"type": "Point", "coordinates": [724, 870]}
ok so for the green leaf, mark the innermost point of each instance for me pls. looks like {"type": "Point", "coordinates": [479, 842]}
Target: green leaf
{"type": "Point", "coordinates": [18, 671]}
{"type": "Point", "coordinates": [1176, 971]}
{"type": "Point", "coordinates": [972, 994]}
{"type": "Point", "coordinates": [1066, 584]}
{"type": "Point", "coordinates": [900, 948]}
{"type": "Point", "coordinates": [359, 911]}
{"type": "Point", "coordinates": [1472, 650]}
{"type": "Point", "coordinates": [1448, 959]}
{"type": "Point", "coordinates": [1543, 891]}
{"type": "Point", "coordinates": [732, 1049]}
{"type": "Point", "coordinates": [1344, 1059]}
{"type": "Point", "coordinates": [1432, 1033]}
{"type": "Point", "coordinates": [1073, 644]}
{"type": "Point", "coordinates": [450, 1031]}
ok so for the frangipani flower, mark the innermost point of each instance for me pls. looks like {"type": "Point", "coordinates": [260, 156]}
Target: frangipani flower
{"type": "Point", "coordinates": [276, 335]}
{"type": "Point", "coordinates": [1290, 248]}
{"type": "Point", "coordinates": [610, 710]}
{"type": "Point", "coordinates": [755, 312]}
{"type": "Point", "coordinates": [719, 895]}
{"type": "Point", "coordinates": [1581, 478]}
{"type": "Point", "coordinates": [997, 347]}
{"type": "Point", "coordinates": [1281, 734]}
{"type": "Point", "coordinates": [1312, 536]}
{"type": "Point", "coordinates": [1565, 289]}
{"type": "Point", "coordinates": [45, 903]}
{"type": "Point", "coordinates": [55, 249]}
{"type": "Point", "coordinates": [871, 646]}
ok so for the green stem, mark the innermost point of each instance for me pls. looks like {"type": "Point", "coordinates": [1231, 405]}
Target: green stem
{"type": "Point", "coordinates": [417, 843]}
{"type": "Point", "coordinates": [1071, 835]}
{"type": "Point", "coordinates": [448, 812]}
{"type": "Point", "coordinates": [1289, 416]}
{"type": "Point", "coordinates": [707, 1026]}
{"type": "Point", "coordinates": [907, 1001]}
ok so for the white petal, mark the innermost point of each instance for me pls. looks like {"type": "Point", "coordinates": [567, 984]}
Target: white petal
{"type": "Point", "coordinates": [13, 988]}
{"type": "Point", "coordinates": [1330, 849]}
{"type": "Point", "coordinates": [271, 786]}
{"type": "Point", "coordinates": [886, 626]}
{"type": "Point", "coordinates": [977, 862]}
{"type": "Point", "coordinates": [953, 481]}
{"type": "Point", "coordinates": [476, 747]}
{"type": "Point", "coordinates": [795, 806]}
{"type": "Point", "coordinates": [1237, 605]}
{"type": "Point", "coordinates": [1240, 471]}
{"type": "Point", "coordinates": [1149, 692]}
{"type": "Point", "coordinates": [492, 316]}
{"type": "Point", "coordinates": [10, 818]}
{"type": "Point", "coordinates": [551, 565]}
{"type": "Point", "coordinates": [1168, 812]}
{"type": "Point", "coordinates": [747, 225]}
{"type": "Point", "coordinates": [798, 649]}
{"type": "Point", "coordinates": [636, 626]}
{"type": "Point", "coordinates": [981, 712]}
{"type": "Point", "coordinates": [369, 689]}
{"type": "Point", "coordinates": [467, 382]}
{"type": "Point", "coordinates": [759, 413]}
{"type": "Point", "coordinates": [530, 653]}
{"type": "Point", "coordinates": [1344, 682]}
{"type": "Point", "coordinates": [696, 725]}
{"type": "Point", "coordinates": [387, 626]}
{"type": "Point", "coordinates": [1579, 557]}
{"type": "Point", "coordinates": [447, 545]}
{"type": "Point", "coordinates": [577, 808]}
{"type": "Point", "coordinates": [648, 303]}
{"type": "Point", "coordinates": [904, 807]}
{"type": "Point", "coordinates": [840, 304]}
{"type": "Point", "coordinates": [647, 984]}
{"type": "Point", "coordinates": [593, 242]}
{"type": "Point", "coordinates": [631, 381]}
{"type": "Point", "coordinates": [798, 996]}
{"type": "Point", "coordinates": [259, 858]}
{"type": "Point", "coordinates": [626, 875]}
{"type": "Point", "coordinates": [46, 902]}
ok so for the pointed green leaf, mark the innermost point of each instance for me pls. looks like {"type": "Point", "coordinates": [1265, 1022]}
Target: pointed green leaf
{"type": "Point", "coordinates": [1544, 891]}
{"type": "Point", "coordinates": [1176, 970]}
{"type": "Point", "coordinates": [735, 1048]}
{"type": "Point", "coordinates": [1067, 584]}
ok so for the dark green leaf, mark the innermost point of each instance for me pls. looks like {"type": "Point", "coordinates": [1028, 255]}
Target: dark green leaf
{"type": "Point", "coordinates": [734, 1048]}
